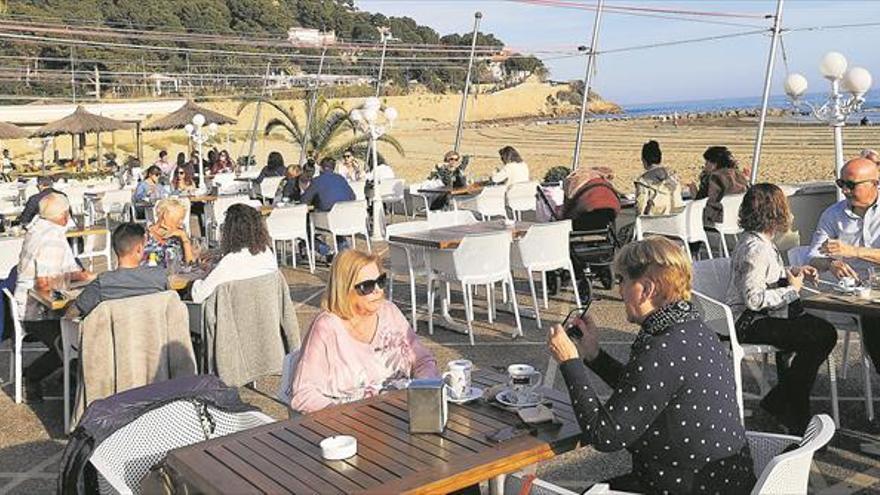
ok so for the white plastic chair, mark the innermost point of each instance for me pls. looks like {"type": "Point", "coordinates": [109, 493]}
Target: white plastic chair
{"type": "Point", "coordinates": [711, 279]}
{"type": "Point", "coordinates": [95, 246]}
{"type": "Point", "coordinates": [359, 188]}
{"type": "Point", "coordinates": [116, 203]}
{"type": "Point", "coordinates": [482, 259]}
{"type": "Point", "coordinates": [17, 345]}
{"type": "Point", "coordinates": [268, 188]}
{"type": "Point", "coordinates": [545, 247]}
{"type": "Point", "coordinates": [346, 218]}
{"type": "Point", "coordinates": [521, 197]}
{"type": "Point", "coordinates": [441, 219]}
{"type": "Point", "coordinates": [392, 192]}
{"type": "Point", "coordinates": [125, 457]}
{"type": "Point", "coordinates": [787, 472]}
{"type": "Point", "coordinates": [729, 224]}
{"type": "Point", "coordinates": [289, 224]}
{"type": "Point", "coordinates": [489, 203]}
{"type": "Point", "coordinates": [220, 205]}
{"type": "Point", "coordinates": [227, 185]}
{"type": "Point", "coordinates": [687, 226]}
{"type": "Point", "coordinates": [848, 324]}
{"type": "Point", "coordinates": [406, 259]}
{"type": "Point", "coordinates": [10, 250]}
{"type": "Point", "coordinates": [416, 198]}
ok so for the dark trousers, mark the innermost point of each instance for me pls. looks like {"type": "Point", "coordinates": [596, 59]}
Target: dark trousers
{"type": "Point", "coordinates": [811, 339]}
{"type": "Point", "coordinates": [871, 338]}
{"type": "Point", "coordinates": [49, 333]}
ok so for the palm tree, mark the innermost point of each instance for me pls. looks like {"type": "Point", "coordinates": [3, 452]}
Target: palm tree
{"type": "Point", "coordinates": [328, 132]}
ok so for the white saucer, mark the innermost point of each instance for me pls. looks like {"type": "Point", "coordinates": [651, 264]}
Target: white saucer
{"type": "Point", "coordinates": [475, 393]}
{"type": "Point", "coordinates": [504, 399]}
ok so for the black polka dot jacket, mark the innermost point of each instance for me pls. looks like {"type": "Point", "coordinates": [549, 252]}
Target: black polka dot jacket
{"type": "Point", "coordinates": [673, 407]}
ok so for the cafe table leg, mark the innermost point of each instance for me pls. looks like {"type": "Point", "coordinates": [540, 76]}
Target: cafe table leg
{"type": "Point", "coordinates": [496, 485]}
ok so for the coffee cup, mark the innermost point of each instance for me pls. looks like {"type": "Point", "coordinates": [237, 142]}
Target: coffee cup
{"type": "Point", "coordinates": [458, 378]}
{"type": "Point", "coordinates": [863, 292]}
{"type": "Point", "coordinates": [847, 282]}
{"type": "Point", "coordinates": [524, 382]}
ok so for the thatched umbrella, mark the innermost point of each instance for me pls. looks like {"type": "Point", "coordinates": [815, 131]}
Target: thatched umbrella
{"type": "Point", "coordinates": [82, 122]}
{"type": "Point", "coordinates": [184, 115]}
{"type": "Point", "coordinates": [9, 131]}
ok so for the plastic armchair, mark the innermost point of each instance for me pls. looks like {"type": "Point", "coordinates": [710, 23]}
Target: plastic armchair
{"type": "Point", "coordinates": [787, 472]}
{"type": "Point", "coordinates": [406, 259]}
{"type": "Point", "coordinates": [346, 218]}
{"type": "Point", "coordinates": [545, 247]}
{"type": "Point", "coordinates": [116, 203]}
{"type": "Point", "coordinates": [268, 188]}
{"type": "Point", "coordinates": [359, 187]}
{"type": "Point", "coordinates": [521, 197]}
{"type": "Point", "coordinates": [848, 324]}
{"type": "Point", "coordinates": [289, 224]}
{"type": "Point", "coordinates": [10, 249]}
{"type": "Point", "coordinates": [218, 210]}
{"type": "Point", "coordinates": [392, 191]}
{"type": "Point", "coordinates": [489, 203]}
{"type": "Point", "coordinates": [711, 279]}
{"type": "Point", "coordinates": [482, 259]}
{"type": "Point", "coordinates": [415, 198]}
{"type": "Point", "coordinates": [18, 346]}
{"type": "Point", "coordinates": [729, 223]}
{"type": "Point", "coordinates": [125, 457]}
{"type": "Point", "coordinates": [686, 226]}
{"type": "Point", "coordinates": [441, 219]}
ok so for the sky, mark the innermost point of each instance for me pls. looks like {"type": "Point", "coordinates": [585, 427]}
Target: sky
{"type": "Point", "coordinates": [726, 68]}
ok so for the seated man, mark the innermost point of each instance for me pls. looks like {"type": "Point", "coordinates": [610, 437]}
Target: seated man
{"type": "Point", "coordinates": [325, 191]}
{"type": "Point", "coordinates": [32, 206]}
{"type": "Point", "coordinates": [847, 238]}
{"type": "Point", "coordinates": [45, 256]}
{"type": "Point", "coordinates": [129, 279]}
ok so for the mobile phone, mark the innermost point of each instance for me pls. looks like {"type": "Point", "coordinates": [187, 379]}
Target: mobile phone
{"type": "Point", "coordinates": [506, 433]}
{"type": "Point", "coordinates": [572, 330]}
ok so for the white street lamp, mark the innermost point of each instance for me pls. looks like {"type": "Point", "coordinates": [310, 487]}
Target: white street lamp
{"type": "Point", "coordinates": [837, 107]}
{"type": "Point", "coordinates": [200, 135]}
{"type": "Point", "coordinates": [368, 119]}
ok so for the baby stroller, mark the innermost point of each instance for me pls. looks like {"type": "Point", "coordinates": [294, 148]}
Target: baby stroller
{"type": "Point", "coordinates": [592, 244]}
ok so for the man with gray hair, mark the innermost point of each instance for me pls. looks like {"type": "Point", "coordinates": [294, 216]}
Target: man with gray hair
{"type": "Point", "coordinates": [46, 260]}
{"type": "Point", "coordinates": [871, 155]}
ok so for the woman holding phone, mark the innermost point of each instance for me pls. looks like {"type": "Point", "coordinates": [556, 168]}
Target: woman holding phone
{"type": "Point", "coordinates": [674, 403]}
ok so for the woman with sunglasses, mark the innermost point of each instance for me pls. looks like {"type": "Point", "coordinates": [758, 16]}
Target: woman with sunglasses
{"type": "Point", "coordinates": [360, 343]}
{"type": "Point", "coordinates": [350, 168]}
{"type": "Point", "coordinates": [246, 250]}
{"type": "Point", "coordinates": [182, 181]}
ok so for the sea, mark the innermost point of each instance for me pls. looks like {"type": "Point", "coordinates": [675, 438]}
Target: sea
{"type": "Point", "coordinates": [870, 108]}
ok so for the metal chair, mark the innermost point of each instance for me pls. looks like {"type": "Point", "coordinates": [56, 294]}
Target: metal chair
{"type": "Point", "coordinates": [482, 259]}
{"type": "Point", "coordinates": [729, 224]}
{"type": "Point", "coordinates": [711, 279]}
{"type": "Point", "coordinates": [489, 203]}
{"type": "Point", "coordinates": [346, 218]}
{"type": "Point", "coordinates": [406, 259]}
{"type": "Point", "coordinates": [686, 226]}
{"type": "Point", "coordinates": [125, 457]}
{"type": "Point", "coordinates": [289, 224]}
{"type": "Point", "coordinates": [787, 472]}
{"type": "Point", "coordinates": [521, 197]}
{"type": "Point", "coordinates": [545, 247]}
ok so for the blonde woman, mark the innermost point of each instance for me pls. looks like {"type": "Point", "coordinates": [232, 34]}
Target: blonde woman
{"type": "Point", "coordinates": [360, 343]}
{"type": "Point", "coordinates": [166, 238]}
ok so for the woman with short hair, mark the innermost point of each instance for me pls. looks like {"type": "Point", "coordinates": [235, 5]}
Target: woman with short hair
{"type": "Point", "coordinates": [360, 344]}
{"type": "Point", "coordinates": [673, 405]}
{"type": "Point", "coordinates": [166, 238]}
{"type": "Point", "coordinates": [765, 299]}
{"type": "Point", "coordinates": [246, 249]}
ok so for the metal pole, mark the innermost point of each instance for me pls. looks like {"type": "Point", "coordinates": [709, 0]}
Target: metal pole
{"type": "Point", "coordinates": [311, 110]}
{"type": "Point", "coordinates": [837, 121]}
{"type": "Point", "coordinates": [72, 77]}
{"type": "Point", "coordinates": [768, 78]}
{"type": "Point", "coordinates": [257, 116]}
{"type": "Point", "coordinates": [588, 81]}
{"type": "Point", "coordinates": [467, 82]}
{"type": "Point", "coordinates": [386, 33]}
{"type": "Point", "coordinates": [378, 207]}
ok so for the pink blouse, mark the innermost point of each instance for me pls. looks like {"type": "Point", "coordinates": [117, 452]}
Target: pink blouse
{"type": "Point", "coordinates": [335, 368]}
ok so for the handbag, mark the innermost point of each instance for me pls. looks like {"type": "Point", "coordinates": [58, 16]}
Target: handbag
{"type": "Point", "coordinates": [795, 310]}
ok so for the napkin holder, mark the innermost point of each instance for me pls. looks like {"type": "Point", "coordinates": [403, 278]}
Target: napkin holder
{"type": "Point", "coordinates": [426, 401]}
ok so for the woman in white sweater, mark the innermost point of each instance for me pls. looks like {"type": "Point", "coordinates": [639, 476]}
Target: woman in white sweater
{"type": "Point", "coordinates": [513, 169]}
{"type": "Point", "coordinates": [247, 251]}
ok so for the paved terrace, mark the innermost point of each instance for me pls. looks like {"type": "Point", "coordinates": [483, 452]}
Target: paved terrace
{"type": "Point", "coordinates": [32, 440]}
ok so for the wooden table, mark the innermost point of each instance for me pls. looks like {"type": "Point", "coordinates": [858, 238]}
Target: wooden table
{"type": "Point", "coordinates": [455, 191]}
{"type": "Point", "coordinates": [284, 457]}
{"type": "Point", "coordinates": [45, 298]}
{"type": "Point", "coordinates": [86, 231]}
{"type": "Point", "coordinates": [842, 303]}
{"type": "Point", "coordinates": [450, 237]}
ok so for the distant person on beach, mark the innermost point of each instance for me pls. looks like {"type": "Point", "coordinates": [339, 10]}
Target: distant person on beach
{"type": "Point", "coordinates": [513, 169]}
{"type": "Point", "coordinates": [720, 176]}
{"type": "Point", "coordinates": [871, 155]}
{"type": "Point", "coordinates": [658, 191]}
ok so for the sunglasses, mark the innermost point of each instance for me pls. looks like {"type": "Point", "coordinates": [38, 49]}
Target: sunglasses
{"type": "Point", "coordinates": [454, 159]}
{"type": "Point", "coordinates": [346, 156]}
{"type": "Point", "coordinates": [850, 185]}
{"type": "Point", "coordinates": [368, 287]}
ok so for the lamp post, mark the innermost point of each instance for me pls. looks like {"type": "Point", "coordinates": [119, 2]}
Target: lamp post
{"type": "Point", "coordinates": [837, 107]}
{"type": "Point", "coordinates": [588, 79]}
{"type": "Point", "coordinates": [467, 82]}
{"type": "Point", "coordinates": [385, 33]}
{"type": "Point", "coordinates": [368, 119]}
{"type": "Point", "coordinates": [200, 135]}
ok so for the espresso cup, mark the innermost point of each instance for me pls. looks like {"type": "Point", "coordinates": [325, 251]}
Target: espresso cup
{"type": "Point", "coordinates": [524, 382]}
{"type": "Point", "coordinates": [847, 282]}
{"type": "Point", "coordinates": [458, 378]}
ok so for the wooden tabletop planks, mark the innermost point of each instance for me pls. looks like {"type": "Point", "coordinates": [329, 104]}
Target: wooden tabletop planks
{"type": "Point", "coordinates": [450, 237]}
{"type": "Point", "coordinates": [284, 457]}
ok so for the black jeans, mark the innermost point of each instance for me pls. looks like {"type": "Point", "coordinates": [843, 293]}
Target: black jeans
{"type": "Point", "coordinates": [811, 339]}
{"type": "Point", "coordinates": [49, 333]}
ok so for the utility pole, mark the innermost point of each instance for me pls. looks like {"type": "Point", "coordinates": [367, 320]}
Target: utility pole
{"type": "Point", "coordinates": [257, 116]}
{"type": "Point", "coordinates": [588, 80]}
{"type": "Point", "coordinates": [467, 82]}
{"type": "Point", "coordinates": [768, 77]}
{"type": "Point", "coordinates": [97, 84]}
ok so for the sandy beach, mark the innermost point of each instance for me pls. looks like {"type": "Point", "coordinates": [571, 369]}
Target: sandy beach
{"type": "Point", "coordinates": [792, 152]}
